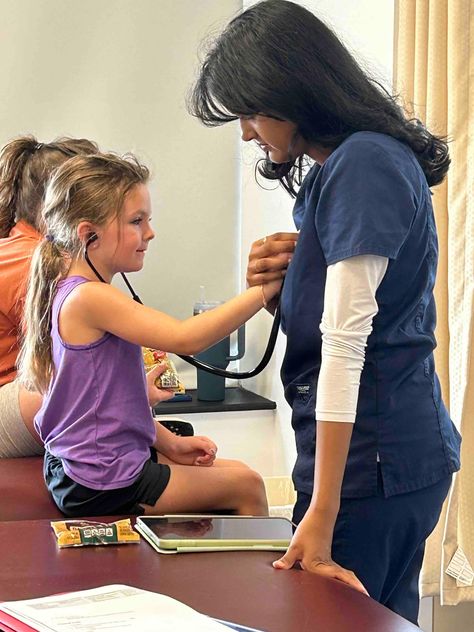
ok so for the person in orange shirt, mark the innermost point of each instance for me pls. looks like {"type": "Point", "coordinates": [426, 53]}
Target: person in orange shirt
{"type": "Point", "coordinates": [25, 167]}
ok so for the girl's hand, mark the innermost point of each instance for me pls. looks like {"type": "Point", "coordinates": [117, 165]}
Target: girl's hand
{"type": "Point", "coordinates": [271, 292]}
{"type": "Point", "coordinates": [271, 289]}
{"type": "Point", "coordinates": [193, 451]}
{"type": "Point", "coordinates": [313, 552]}
{"type": "Point", "coordinates": [155, 394]}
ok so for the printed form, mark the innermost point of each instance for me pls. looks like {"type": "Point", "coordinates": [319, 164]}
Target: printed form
{"type": "Point", "coordinates": [115, 608]}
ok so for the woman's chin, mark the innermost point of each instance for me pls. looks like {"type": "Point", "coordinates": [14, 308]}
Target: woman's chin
{"type": "Point", "coordinates": [277, 157]}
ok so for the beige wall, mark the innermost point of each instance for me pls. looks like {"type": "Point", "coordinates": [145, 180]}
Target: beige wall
{"type": "Point", "coordinates": [117, 71]}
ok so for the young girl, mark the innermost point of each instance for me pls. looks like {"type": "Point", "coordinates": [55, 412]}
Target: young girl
{"type": "Point", "coordinates": [82, 350]}
{"type": "Point", "coordinates": [357, 304]}
{"type": "Point", "coordinates": [25, 166]}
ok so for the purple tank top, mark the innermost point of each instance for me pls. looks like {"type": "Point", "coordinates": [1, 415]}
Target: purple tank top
{"type": "Point", "coordinates": [95, 416]}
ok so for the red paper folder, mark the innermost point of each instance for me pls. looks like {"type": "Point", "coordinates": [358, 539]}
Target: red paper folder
{"type": "Point", "coordinates": [12, 624]}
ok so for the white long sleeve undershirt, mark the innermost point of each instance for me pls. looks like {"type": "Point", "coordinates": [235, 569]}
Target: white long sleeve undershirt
{"type": "Point", "coordinates": [349, 309]}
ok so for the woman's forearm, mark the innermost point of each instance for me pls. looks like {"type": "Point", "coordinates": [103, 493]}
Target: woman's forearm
{"type": "Point", "coordinates": [332, 447]}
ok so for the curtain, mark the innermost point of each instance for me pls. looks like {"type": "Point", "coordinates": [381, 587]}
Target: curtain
{"type": "Point", "coordinates": [434, 75]}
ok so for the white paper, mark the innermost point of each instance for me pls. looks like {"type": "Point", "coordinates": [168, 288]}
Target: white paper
{"type": "Point", "coordinates": [114, 608]}
{"type": "Point", "coordinates": [460, 569]}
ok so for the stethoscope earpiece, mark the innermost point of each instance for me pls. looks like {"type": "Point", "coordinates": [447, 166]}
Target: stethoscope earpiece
{"type": "Point", "coordinates": [92, 237]}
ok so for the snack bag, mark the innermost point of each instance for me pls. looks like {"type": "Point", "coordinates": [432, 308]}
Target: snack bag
{"type": "Point", "coordinates": [169, 378]}
{"type": "Point", "coordinates": [86, 532]}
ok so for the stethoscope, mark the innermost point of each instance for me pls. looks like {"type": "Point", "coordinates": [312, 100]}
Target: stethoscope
{"type": "Point", "coordinates": [236, 375]}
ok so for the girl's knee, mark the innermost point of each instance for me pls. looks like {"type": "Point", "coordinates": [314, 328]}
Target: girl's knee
{"type": "Point", "coordinates": [250, 478]}
{"type": "Point", "coordinates": [234, 463]}
{"type": "Point", "coordinates": [253, 491]}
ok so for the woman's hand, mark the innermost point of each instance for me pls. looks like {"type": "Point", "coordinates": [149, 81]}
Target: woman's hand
{"type": "Point", "coordinates": [313, 552]}
{"type": "Point", "coordinates": [268, 260]}
{"type": "Point", "coordinates": [192, 451]}
{"type": "Point", "coordinates": [155, 394]}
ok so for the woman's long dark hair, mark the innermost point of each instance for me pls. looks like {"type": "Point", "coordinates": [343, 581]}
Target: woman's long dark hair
{"type": "Point", "coordinates": [280, 60]}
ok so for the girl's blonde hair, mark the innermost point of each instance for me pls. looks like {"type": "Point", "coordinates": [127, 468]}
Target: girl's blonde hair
{"type": "Point", "coordinates": [84, 189]}
{"type": "Point", "coordinates": [25, 168]}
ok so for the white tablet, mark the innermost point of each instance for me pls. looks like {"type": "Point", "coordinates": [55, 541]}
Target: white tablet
{"type": "Point", "coordinates": [195, 533]}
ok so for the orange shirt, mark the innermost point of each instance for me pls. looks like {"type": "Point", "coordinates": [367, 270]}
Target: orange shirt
{"type": "Point", "coordinates": [16, 251]}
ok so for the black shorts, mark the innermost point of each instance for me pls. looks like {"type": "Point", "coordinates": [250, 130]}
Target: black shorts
{"type": "Point", "coordinates": [76, 500]}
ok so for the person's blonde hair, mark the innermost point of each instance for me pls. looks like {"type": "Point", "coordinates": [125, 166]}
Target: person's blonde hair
{"type": "Point", "coordinates": [25, 168]}
{"type": "Point", "coordinates": [84, 189]}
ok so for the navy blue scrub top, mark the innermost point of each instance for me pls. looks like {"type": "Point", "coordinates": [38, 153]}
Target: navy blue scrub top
{"type": "Point", "coordinates": [371, 197]}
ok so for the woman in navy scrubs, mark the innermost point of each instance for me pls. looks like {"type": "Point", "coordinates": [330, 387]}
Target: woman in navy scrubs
{"type": "Point", "coordinates": [357, 304]}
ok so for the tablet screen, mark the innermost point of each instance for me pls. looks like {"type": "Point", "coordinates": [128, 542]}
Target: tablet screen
{"type": "Point", "coordinates": [219, 528]}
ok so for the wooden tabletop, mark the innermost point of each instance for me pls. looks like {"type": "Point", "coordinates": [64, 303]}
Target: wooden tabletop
{"type": "Point", "coordinates": [242, 587]}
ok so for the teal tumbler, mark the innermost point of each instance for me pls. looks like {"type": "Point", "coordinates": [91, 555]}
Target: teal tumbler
{"type": "Point", "coordinates": [211, 388]}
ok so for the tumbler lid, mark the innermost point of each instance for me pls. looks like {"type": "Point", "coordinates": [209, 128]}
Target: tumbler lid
{"type": "Point", "coordinates": [203, 305]}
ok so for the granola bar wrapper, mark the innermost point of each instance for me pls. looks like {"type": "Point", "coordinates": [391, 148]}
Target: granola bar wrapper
{"type": "Point", "coordinates": [168, 379]}
{"type": "Point", "coordinates": [86, 533]}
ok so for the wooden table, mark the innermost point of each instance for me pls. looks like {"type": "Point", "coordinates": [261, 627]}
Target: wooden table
{"type": "Point", "coordinates": [237, 586]}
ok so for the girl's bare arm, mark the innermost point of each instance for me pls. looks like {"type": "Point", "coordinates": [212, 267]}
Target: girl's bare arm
{"type": "Point", "coordinates": [94, 308]}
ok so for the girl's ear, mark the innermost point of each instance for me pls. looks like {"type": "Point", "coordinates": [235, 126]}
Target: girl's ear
{"type": "Point", "coordinates": [85, 230]}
